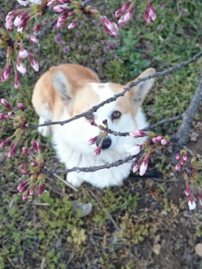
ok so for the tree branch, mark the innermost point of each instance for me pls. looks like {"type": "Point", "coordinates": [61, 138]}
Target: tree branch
{"type": "Point", "coordinates": [125, 90]}
{"type": "Point", "coordinates": [182, 135]}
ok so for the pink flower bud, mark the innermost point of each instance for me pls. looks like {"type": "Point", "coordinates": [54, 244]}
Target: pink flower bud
{"type": "Point", "coordinates": [164, 142]}
{"type": "Point", "coordinates": [23, 53]}
{"type": "Point", "coordinates": [12, 151]}
{"type": "Point", "coordinates": [6, 104]}
{"type": "Point", "coordinates": [22, 186]}
{"type": "Point", "coordinates": [25, 196]}
{"type": "Point", "coordinates": [177, 156]}
{"type": "Point", "coordinates": [34, 63]}
{"type": "Point", "coordinates": [34, 39]}
{"type": "Point", "coordinates": [17, 80]}
{"type": "Point", "coordinates": [41, 189]}
{"type": "Point", "coordinates": [3, 116]}
{"type": "Point", "coordinates": [136, 167]}
{"type": "Point", "coordinates": [5, 142]}
{"type": "Point", "coordinates": [144, 165]}
{"type": "Point", "coordinates": [6, 72]}
{"type": "Point", "coordinates": [60, 8]}
{"type": "Point", "coordinates": [21, 19]}
{"type": "Point", "coordinates": [191, 203]}
{"type": "Point", "coordinates": [177, 167]}
{"type": "Point", "coordinates": [185, 157]}
{"type": "Point", "coordinates": [61, 21]}
{"type": "Point", "coordinates": [125, 18]}
{"type": "Point", "coordinates": [97, 151]}
{"type": "Point", "coordinates": [26, 151]}
{"type": "Point", "coordinates": [23, 169]}
{"type": "Point", "coordinates": [122, 10]}
{"type": "Point", "coordinates": [187, 190]}
{"type": "Point", "coordinates": [36, 145]}
{"type": "Point", "coordinates": [159, 138]}
{"type": "Point", "coordinates": [138, 133]}
{"type": "Point", "coordinates": [72, 25]}
{"type": "Point", "coordinates": [20, 67]}
{"type": "Point", "coordinates": [93, 140]}
{"type": "Point", "coordinates": [110, 27]}
{"type": "Point", "coordinates": [21, 106]}
{"type": "Point", "coordinates": [149, 13]}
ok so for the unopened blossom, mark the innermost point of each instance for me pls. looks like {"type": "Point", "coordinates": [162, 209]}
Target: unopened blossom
{"type": "Point", "coordinates": [41, 189]}
{"type": "Point", "coordinates": [6, 104]}
{"type": "Point", "coordinates": [21, 19]}
{"type": "Point", "coordinates": [177, 156]}
{"type": "Point", "coordinates": [6, 72]}
{"type": "Point", "coordinates": [136, 166]}
{"type": "Point", "coordinates": [97, 151]}
{"type": "Point", "coordinates": [125, 18]}
{"type": "Point", "coordinates": [23, 185]}
{"type": "Point", "coordinates": [26, 151]}
{"type": "Point", "coordinates": [23, 168]}
{"type": "Point", "coordinates": [185, 157]}
{"type": "Point", "coordinates": [187, 190]}
{"type": "Point", "coordinates": [34, 39]}
{"type": "Point", "coordinates": [12, 150]}
{"type": "Point", "coordinates": [3, 116]}
{"type": "Point", "coordinates": [144, 165]}
{"type": "Point", "coordinates": [163, 142]}
{"type": "Point", "coordinates": [61, 21]}
{"type": "Point", "coordinates": [20, 67]}
{"type": "Point", "coordinates": [149, 13]}
{"type": "Point", "coordinates": [177, 167]}
{"type": "Point", "coordinates": [21, 106]}
{"type": "Point", "coordinates": [60, 8]}
{"type": "Point", "coordinates": [23, 53]}
{"type": "Point", "coordinates": [17, 80]}
{"type": "Point", "coordinates": [36, 145]}
{"type": "Point", "coordinates": [138, 133]}
{"type": "Point", "coordinates": [72, 25]}
{"type": "Point", "coordinates": [122, 10]}
{"type": "Point", "coordinates": [191, 203]}
{"type": "Point", "coordinates": [93, 140]}
{"type": "Point", "coordinates": [34, 63]}
{"type": "Point", "coordinates": [5, 142]}
{"type": "Point", "coordinates": [110, 27]}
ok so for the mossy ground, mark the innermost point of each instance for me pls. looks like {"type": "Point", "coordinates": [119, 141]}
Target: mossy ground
{"type": "Point", "coordinates": [143, 224]}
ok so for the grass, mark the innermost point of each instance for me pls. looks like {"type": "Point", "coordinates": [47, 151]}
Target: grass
{"type": "Point", "coordinates": [125, 223]}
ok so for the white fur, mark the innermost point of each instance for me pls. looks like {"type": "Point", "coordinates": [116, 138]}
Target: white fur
{"type": "Point", "coordinates": [71, 142]}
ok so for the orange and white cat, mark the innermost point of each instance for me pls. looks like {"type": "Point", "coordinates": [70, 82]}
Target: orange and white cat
{"type": "Point", "coordinates": [69, 89]}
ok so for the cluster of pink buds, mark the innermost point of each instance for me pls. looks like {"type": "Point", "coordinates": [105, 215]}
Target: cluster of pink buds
{"type": "Point", "coordinates": [124, 13]}
{"type": "Point", "coordinates": [65, 10]}
{"type": "Point", "coordinates": [181, 158]}
{"type": "Point", "coordinates": [159, 139]}
{"type": "Point", "coordinates": [32, 171]}
{"type": "Point", "coordinates": [149, 13]}
{"type": "Point", "coordinates": [12, 141]}
{"type": "Point", "coordinates": [141, 164]}
{"type": "Point", "coordinates": [19, 67]}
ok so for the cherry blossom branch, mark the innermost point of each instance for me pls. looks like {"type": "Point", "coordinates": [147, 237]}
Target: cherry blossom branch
{"type": "Point", "coordinates": [125, 90]}
{"type": "Point", "coordinates": [182, 134]}
{"type": "Point", "coordinates": [96, 168]}
{"type": "Point", "coordinates": [150, 127]}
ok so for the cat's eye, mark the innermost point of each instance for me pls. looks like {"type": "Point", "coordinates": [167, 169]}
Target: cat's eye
{"type": "Point", "coordinates": [116, 115]}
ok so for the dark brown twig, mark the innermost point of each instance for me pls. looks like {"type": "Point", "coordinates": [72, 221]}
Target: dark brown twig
{"type": "Point", "coordinates": [182, 135]}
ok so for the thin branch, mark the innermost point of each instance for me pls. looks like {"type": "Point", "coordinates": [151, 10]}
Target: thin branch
{"type": "Point", "coordinates": [182, 135]}
{"type": "Point", "coordinates": [150, 127]}
{"type": "Point", "coordinates": [125, 90]}
{"type": "Point", "coordinates": [94, 168]}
